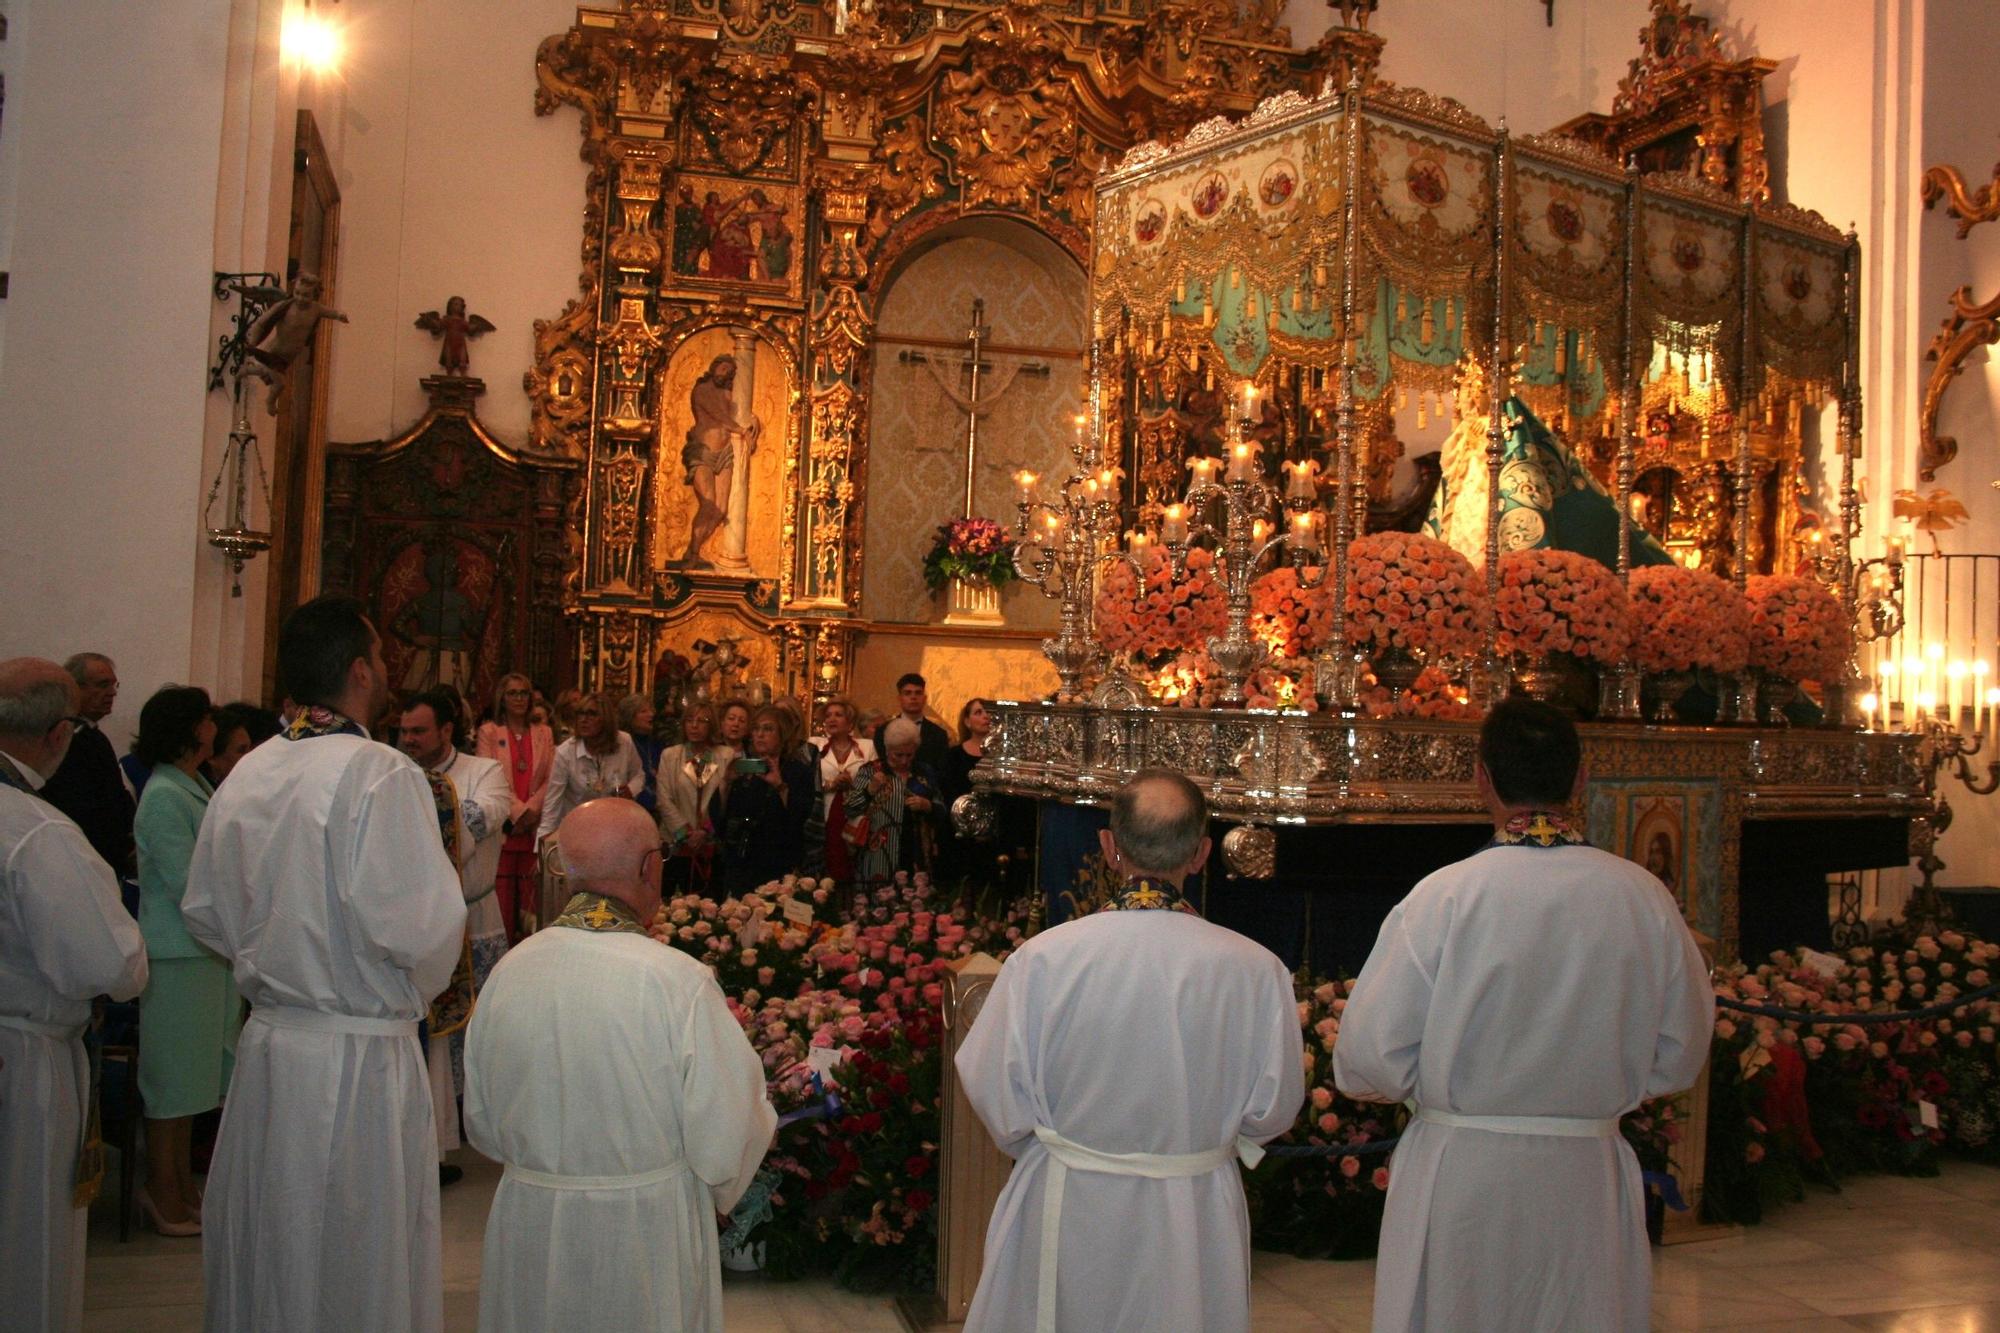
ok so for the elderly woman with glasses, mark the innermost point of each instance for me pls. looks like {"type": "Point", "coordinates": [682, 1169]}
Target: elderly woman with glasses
{"type": "Point", "coordinates": [598, 760]}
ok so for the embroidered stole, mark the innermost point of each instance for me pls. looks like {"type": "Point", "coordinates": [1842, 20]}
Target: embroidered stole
{"type": "Point", "coordinates": [452, 1009]}
{"type": "Point", "coordinates": [596, 912]}
{"type": "Point", "coordinates": [1142, 893]}
{"type": "Point", "coordinates": [1539, 828]}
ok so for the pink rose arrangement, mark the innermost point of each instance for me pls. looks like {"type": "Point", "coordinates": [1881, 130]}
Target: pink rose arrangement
{"type": "Point", "coordinates": [1407, 590]}
{"type": "Point", "coordinates": [1561, 602]}
{"type": "Point", "coordinates": [1688, 620]}
{"type": "Point", "coordinates": [1434, 694]}
{"type": "Point", "coordinates": [1797, 628]}
{"type": "Point", "coordinates": [1168, 615]}
{"type": "Point", "coordinates": [974, 548]}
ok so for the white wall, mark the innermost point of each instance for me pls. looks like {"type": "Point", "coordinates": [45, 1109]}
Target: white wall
{"type": "Point", "coordinates": [450, 186]}
{"type": "Point", "coordinates": [114, 113]}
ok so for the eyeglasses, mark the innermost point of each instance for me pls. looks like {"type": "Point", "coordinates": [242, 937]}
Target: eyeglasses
{"type": "Point", "coordinates": [519, 694]}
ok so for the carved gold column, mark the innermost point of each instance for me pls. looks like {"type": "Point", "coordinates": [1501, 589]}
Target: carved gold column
{"type": "Point", "coordinates": [631, 353]}
{"type": "Point", "coordinates": [842, 331]}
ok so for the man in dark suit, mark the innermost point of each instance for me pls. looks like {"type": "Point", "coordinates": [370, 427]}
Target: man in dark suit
{"type": "Point", "coordinates": [933, 741]}
{"type": "Point", "coordinates": [89, 787]}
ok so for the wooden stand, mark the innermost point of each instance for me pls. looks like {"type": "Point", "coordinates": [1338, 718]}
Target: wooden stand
{"type": "Point", "coordinates": [974, 1170]}
{"type": "Point", "coordinates": [1689, 1159]}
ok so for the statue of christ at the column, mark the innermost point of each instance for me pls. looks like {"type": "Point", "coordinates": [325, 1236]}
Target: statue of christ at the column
{"type": "Point", "coordinates": [713, 468]}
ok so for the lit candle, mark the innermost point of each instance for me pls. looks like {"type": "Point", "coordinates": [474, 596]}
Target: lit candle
{"type": "Point", "coordinates": [1992, 727]}
{"type": "Point", "coordinates": [1054, 523]}
{"type": "Point", "coordinates": [1955, 699]}
{"type": "Point", "coordinates": [1026, 481]}
{"type": "Point", "coordinates": [1305, 536]}
{"type": "Point", "coordinates": [1869, 703]}
{"type": "Point", "coordinates": [1090, 488]}
{"type": "Point", "coordinates": [1250, 400]}
{"type": "Point", "coordinates": [1174, 525]}
{"type": "Point", "coordinates": [1926, 704]}
{"type": "Point", "coordinates": [1299, 479]}
{"type": "Point", "coordinates": [1204, 470]}
{"type": "Point", "coordinates": [1895, 557]}
{"type": "Point", "coordinates": [1137, 544]}
{"type": "Point", "coordinates": [1259, 530]}
{"type": "Point", "coordinates": [1241, 463]}
{"type": "Point", "coordinates": [1107, 477]}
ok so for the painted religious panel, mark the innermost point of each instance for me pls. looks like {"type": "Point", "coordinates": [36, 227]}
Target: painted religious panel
{"type": "Point", "coordinates": [441, 622]}
{"type": "Point", "coordinates": [736, 234]}
{"type": "Point", "coordinates": [1674, 829]}
{"type": "Point", "coordinates": [1689, 258]}
{"type": "Point", "coordinates": [1429, 206]}
{"type": "Point", "coordinates": [1569, 243]}
{"type": "Point", "coordinates": [725, 428]}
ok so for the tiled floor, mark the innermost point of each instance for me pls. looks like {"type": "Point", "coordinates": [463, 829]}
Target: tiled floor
{"type": "Point", "coordinates": [1918, 1256]}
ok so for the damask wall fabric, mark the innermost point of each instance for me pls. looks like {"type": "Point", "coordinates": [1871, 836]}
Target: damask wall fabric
{"type": "Point", "coordinates": [916, 448]}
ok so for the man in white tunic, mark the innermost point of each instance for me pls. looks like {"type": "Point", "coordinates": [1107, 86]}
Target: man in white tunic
{"type": "Point", "coordinates": [1126, 1061]}
{"type": "Point", "coordinates": [606, 1072]}
{"type": "Point", "coordinates": [320, 872]}
{"type": "Point", "coordinates": [1526, 998]}
{"type": "Point", "coordinates": [483, 798]}
{"type": "Point", "coordinates": [64, 938]}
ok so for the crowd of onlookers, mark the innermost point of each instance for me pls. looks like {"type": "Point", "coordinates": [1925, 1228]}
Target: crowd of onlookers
{"type": "Point", "coordinates": [743, 793]}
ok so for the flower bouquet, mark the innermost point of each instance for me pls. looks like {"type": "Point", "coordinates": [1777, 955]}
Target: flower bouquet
{"type": "Point", "coordinates": [1168, 615]}
{"type": "Point", "coordinates": [977, 549]}
{"type": "Point", "coordinates": [1558, 612]}
{"type": "Point", "coordinates": [1686, 623]}
{"type": "Point", "coordinates": [1290, 617]}
{"type": "Point", "coordinates": [1411, 597]}
{"type": "Point", "coordinates": [1797, 628]}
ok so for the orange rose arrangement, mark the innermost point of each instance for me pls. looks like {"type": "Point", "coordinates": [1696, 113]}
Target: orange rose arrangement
{"type": "Point", "coordinates": [1169, 615]}
{"type": "Point", "coordinates": [1561, 602]}
{"type": "Point", "coordinates": [1797, 628]}
{"type": "Point", "coordinates": [1406, 590]}
{"type": "Point", "coordinates": [1688, 620]}
{"type": "Point", "coordinates": [1293, 619]}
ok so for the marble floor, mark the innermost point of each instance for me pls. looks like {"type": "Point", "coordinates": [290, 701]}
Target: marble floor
{"type": "Point", "coordinates": [1918, 1256]}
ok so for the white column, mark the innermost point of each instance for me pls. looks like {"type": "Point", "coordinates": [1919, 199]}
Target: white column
{"type": "Point", "coordinates": [736, 525]}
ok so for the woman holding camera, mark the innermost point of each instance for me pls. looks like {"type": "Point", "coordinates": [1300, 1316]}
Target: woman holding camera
{"type": "Point", "coordinates": [765, 807]}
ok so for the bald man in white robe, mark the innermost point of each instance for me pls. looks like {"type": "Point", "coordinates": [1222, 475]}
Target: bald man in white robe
{"type": "Point", "coordinates": [606, 1072]}
{"type": "Point", "coordinates": [1526, 998]}
{"type": "Point", "coordinates": [1127, 1061]}
{"type": "Point", "coordinates": [65, 937]}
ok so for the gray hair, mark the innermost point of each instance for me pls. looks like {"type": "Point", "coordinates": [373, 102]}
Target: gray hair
{"type": "Point", "coordinates": [901, 731]}
{"type": "Point", "coordinates": [1158, 819]}
{"type": "Point", "coordinates": [629, 709]}
{"type": "Point", "coordinates": [34, 709]}
{"type": "Point", "coordinates": [79, 664]}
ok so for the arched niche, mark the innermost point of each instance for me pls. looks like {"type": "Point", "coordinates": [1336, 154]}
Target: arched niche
{"type": "Point", "coordinates": [1035, 295]}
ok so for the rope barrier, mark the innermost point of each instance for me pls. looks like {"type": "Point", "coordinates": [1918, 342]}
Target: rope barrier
{"type": "Point", "coordinates": [1938, 1010]}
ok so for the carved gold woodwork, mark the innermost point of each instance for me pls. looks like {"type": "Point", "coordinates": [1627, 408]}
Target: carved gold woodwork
{"type": "Point", "coordinates": [1971, 324]}
{"type": "Point", "coordinates": [1685, 107]}
{"type": "Point", "coordinates": [867, 129]}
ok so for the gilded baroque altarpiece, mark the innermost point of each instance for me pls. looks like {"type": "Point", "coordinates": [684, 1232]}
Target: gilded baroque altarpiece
{"type": "Point", "coordinates": [757, 168]}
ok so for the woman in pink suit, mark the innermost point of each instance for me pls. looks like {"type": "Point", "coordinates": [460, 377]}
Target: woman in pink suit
{"type": "Point", "coordinates": [525, 750]}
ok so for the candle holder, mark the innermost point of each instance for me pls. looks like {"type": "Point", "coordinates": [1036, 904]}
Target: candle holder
{"type": "Point", "coordinates": [1058, 546]}
{"type": "Point", "coordinates": [1945, 748]}
{"type": "Point", "coordinates": [1247, 500]}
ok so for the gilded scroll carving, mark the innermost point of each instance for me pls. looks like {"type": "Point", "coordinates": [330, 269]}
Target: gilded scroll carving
{"type": "Point", "coordinates": [1971, 323]}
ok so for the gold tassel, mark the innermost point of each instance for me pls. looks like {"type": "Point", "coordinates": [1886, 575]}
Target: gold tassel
{"type": "Point", "coordinates": [1423, 410]}
{"type": "Point", "coordinates": [1402, 307]}
{"type": "Point", "coordinates": [1250, 306]}
{"type": "Point", "coordinates": [1562, 353]}
{"type": "Point", "coordinates": [1450, 314]}
{"type": "Point", "coordinates": [1428, 328]}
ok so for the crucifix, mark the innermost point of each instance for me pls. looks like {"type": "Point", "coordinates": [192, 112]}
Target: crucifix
{"type": "Point", "coordinates": [985, 382]}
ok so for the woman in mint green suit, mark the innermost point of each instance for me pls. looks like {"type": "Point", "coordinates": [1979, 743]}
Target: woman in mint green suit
{"type": "Point", "coordinates": [189, 1013]}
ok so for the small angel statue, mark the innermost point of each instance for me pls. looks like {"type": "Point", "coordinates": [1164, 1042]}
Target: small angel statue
{"type": "Point", "coordinates": [454, 329]}
{"type": "Point", "coordinates": [281, 334]}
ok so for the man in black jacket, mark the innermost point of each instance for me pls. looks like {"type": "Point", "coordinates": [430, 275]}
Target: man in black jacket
{"type": "Point", "coordinates": [88, 787]}
{"type": "Point", "coordinates": [933, 741]}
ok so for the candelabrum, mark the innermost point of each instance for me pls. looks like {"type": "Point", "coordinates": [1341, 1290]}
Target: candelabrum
{"type": "Point", "coordinates": [1246, 499]}
{"type": "Point", "coordinates": [1058, 546]}
{"type": "Point", "coordinates": [1945, 748]}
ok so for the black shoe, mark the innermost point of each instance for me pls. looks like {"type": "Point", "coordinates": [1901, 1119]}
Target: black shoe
{"type": "Point", "coordinates": [449, 1174]}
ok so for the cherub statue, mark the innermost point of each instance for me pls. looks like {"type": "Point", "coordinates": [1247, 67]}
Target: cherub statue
{"type": "Point", "coordinates": [281, 335]}
{"type": "Point", "coordinates": [454, 328]}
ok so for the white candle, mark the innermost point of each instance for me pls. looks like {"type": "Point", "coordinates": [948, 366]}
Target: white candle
{"type": "Point", "coordinates": [1241, 459]}
{"type": "Point", "coordinates": [1137, 545]}
{"type": "Point", "coordinates": [1869, 703]}
{"type": "Point", "coordinates": [1173, 525]}
{"type": "Point", "coordinates": [1304, 535]}
{"type": "Point", "coordinates": [1026, 481]}
{"type": "Point", "coordinates": [1299, 480]}
{"type": "Point", "coordinates": [1992, 724]}
{"type": "Point", "coordinates": [1204, 470]}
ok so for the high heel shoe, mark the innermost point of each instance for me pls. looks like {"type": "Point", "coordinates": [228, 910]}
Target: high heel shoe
{"type": "Point", "coordinates": [151, 1213]}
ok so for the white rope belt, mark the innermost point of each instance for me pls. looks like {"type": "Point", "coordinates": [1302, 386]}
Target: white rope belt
{"type": "Point", "coordinates": [549, 1180]}
{"type": "Point", "coordinates": [1559, 1126]}
{"type": "Point", "coordinates": [319, 1020]}
{"type": "Point", "coordinates": [56, 1031]}
{"type": "Point", "coordinates": [1065, 1156]}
